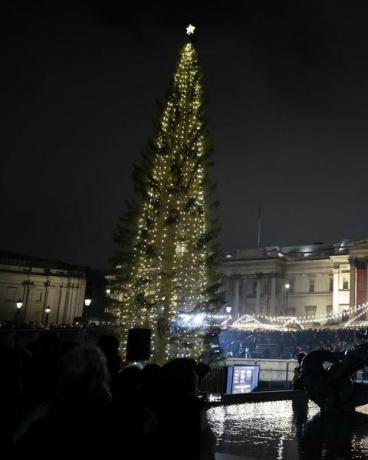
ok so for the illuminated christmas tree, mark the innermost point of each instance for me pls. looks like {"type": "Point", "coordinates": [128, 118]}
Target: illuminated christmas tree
{"type": "Point", "coordinates": [167, 253]}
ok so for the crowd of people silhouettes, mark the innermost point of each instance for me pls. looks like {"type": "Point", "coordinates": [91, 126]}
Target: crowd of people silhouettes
{"type": "Point", "coordinates": [65, 398]}
{"type": "Point", "coordinates": [261, 343]}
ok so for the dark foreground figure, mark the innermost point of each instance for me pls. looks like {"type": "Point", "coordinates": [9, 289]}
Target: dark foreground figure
{"type": "Point", "coordinates": [331, 435]}
{"type": "Point", "coordinates": [326, 377]}
{"type": "Point", "coordinates": [77, 401]}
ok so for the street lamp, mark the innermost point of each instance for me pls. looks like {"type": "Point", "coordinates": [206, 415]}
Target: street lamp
{"type": "Point", "coordinates": [47, 312]}
{"type": "Point", "coordinates": [287, 287]}
{"type": "Point", "coordinates": [87, 303]}
{"type": "Point", "coordinates": [228, 311]}
{"type": "Point", "coordinates": [19, 305]}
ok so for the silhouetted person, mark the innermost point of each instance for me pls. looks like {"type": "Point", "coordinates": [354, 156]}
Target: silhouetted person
{"type": "Point", "coordinates": [79, 419]}
{"type": "Point", "coordinates": [297, 383]}
{"type": "Point", "coordinates": [202, 370]}
{"type": "Point", "coordinates": [43, 371]}
{"type": "Point", "coordinates": [110, 346]}
{"type": "Point", "coordinates": [182, 427]}
{"type": "Point", "coordinates": [125, 385]}
{"type": "Point", "coordinates": [68, 346]}
{"type": "Point", "coordinates": [127, 419]}
{"type": "Point", "coordinates": [149, 383]}
{"type": "Point", "coordinates": [11, 394]}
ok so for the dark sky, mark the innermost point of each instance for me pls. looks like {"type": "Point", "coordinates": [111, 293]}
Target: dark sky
{"type": "Point", "coordinates": [287, 98]}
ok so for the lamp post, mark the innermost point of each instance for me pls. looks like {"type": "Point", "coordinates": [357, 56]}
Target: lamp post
{"type": "Point", "coordinates": [287, 288]}
{"type": "Point", "coordinates": [228, 311]}
{"type": "Point", "coordinates": [47, 312]}
{"type": "Point", "coordinates": [87, 303]}
{"type": "Point", "coordinates": [19, 305]}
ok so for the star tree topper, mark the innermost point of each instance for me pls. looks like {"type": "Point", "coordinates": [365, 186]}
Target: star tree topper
{"type": "Point", "coordinates": [190, 29]}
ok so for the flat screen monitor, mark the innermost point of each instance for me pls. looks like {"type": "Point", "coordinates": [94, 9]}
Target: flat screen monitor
{"type": "Point", "coordinates": [242, 378]}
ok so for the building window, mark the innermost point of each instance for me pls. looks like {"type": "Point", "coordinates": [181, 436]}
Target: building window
{"type": "Point", "coordinates": [329, 310]}
{"type": "Point", "coordinates": [345, 283]}
{"type": "Point", "coordinates": [311, 284]}
{"type": "Point", "coordinates": [290, 311]}
{"type": "Point", "coordinates": [331, 284]}
{"type": "Point", "coordinates": [310, 311]}
{"type": "Point", "coordinates": [291, 285]}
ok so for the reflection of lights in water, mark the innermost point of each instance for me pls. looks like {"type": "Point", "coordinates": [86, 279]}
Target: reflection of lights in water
{"type": "Point", "coordinates": [218, 422]}
{"type": "Point", "coordinates": [363, 443]}
{"type": "Point", "coordinates": [268, 430]}
{"type": "Point", "coordinates": [280, 448]}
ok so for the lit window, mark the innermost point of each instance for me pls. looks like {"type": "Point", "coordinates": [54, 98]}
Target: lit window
{"type": "Point", "coordinates": [310, 311]}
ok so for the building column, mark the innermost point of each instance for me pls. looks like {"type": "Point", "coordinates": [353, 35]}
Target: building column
{"type": "Point", "coordinates": [360, 282]}
{"type": "Point", "coordinates": [235, 306]}
{"type": "Point", "coordinates": [336, 286]}
{"type": "Point", "coordinates": [352, 296]}
{"type": "Point", "coordinates": [27, 290]}
{"type": "Point", "coordinates": [66, 304]}
{"type": "Point", "coordinates": [273, 295]}
{"type": "Point", "coordinates": [258, 295]}
{"type": "Point", "coordinates": [366, 284]}
{"type": "Point", "coordinates": [57, 320]}
{"type": "Point", "coordinates": [72, 303]}
{"type": "Point", "coordinates": [243, 297]}
{"type": "Point", "coordinates": [227, 287]}
{"type": "Point", "coordinates": [77, 301]}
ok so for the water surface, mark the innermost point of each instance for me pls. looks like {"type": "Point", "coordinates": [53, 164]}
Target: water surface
{"type": "Point", "coordinates": [285, 430]}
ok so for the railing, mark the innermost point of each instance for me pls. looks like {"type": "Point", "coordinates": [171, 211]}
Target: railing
{"type": "Point", "coordinates": [214, 381]}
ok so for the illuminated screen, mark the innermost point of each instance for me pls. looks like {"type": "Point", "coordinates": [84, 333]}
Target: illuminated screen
{"type": "Point", "coordinates": [242, 379]}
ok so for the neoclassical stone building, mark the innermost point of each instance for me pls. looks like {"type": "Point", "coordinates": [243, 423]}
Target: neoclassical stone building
{"type": "Point", "coordinates": [40, 284]}
{"type": "Point", "coordinates": [310, 280]}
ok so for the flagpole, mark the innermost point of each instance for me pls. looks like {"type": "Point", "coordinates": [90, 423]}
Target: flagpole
{"type": "Point", "coordinates": [259, 227]}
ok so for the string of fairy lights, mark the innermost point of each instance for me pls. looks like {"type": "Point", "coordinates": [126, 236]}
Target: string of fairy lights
{"type": "Point", "coordinates": [169, 266]}
{"type": "Point", "coordinates": [268, 322]}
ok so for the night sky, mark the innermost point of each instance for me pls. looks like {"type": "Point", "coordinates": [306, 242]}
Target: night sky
{"type": "Point", "coordinates": [287, 100]}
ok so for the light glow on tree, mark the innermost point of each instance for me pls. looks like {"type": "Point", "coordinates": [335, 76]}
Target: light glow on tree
{"type": "Point", "coordinates": [167, 251]}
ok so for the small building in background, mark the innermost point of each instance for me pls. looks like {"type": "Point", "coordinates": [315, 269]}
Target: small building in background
{"type": "Point", "coordinates": [44, 287]}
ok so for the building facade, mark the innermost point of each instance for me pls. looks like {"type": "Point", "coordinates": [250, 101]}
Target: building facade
{"type": "Point", "coordinates": [40, 285]}
{"type": "Point", "coordinates": [304, 281]}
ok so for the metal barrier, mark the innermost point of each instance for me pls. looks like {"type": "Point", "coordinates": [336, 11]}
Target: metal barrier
{"type": "Point", "coordinates": [274, 373]}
